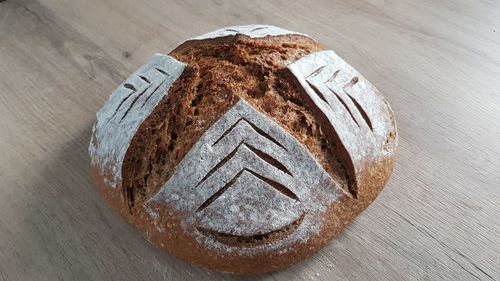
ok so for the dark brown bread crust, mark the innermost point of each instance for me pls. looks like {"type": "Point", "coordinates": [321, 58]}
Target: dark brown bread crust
{"type": "Point", "coordinates": [219, 73]}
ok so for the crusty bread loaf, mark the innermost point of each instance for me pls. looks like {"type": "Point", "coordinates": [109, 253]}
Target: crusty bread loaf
{"type": "Point", "coordinates": [244, 150]}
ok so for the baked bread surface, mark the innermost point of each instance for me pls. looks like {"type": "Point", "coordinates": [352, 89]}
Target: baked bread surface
{"type": "Point", "coordinates": [244, 150]}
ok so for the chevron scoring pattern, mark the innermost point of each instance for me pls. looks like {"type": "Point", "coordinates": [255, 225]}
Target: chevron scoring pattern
{"type": "Point", "coordinates": [356, 112]}
{"type": "Point", "coordinates": [246, 178]}
{"type": "Point", "coordinates": [250, 190]}
{"type": "Point", "coordinates": [129, 105]}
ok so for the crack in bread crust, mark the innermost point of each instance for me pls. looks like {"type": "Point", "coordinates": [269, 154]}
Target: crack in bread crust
{"type": "Point", "coordinates": [220, 73]}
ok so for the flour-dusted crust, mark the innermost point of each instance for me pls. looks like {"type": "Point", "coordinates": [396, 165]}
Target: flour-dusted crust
{"type": "Point", "coordinates": [128, 106]}
{"type": "Point", "coordinates": [246, 177]}
{"type": "Point", "coordinates": [356, 112]}
{"type": "Point", "coordinates": [245, 150]}
{"type": "Point", "coordinates": [252, 31]}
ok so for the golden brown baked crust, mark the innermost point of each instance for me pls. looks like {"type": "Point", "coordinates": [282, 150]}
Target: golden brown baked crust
{"type": "Point", "coordinates": [219, 73]}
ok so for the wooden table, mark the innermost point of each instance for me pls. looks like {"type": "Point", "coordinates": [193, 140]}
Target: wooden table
{"type": "Point", "coordinates": [437, 62]}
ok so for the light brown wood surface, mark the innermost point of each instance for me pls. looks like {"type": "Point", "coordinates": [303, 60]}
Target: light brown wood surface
{"type": "Point", "coordinates": [437, 63]}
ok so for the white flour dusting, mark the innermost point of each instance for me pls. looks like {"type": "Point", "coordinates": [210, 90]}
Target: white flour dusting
{"type": "Point", "coordinates": [127, 107]}
{"type": "Point", "coordinates": [253, 31]}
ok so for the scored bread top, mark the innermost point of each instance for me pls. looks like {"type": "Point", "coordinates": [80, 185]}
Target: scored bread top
{"type": "Point", "coordinates": [252, 138]}
{"type": "Point", "coordinates": [121, 110]}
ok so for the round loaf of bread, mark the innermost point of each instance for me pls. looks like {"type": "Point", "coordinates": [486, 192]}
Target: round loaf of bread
{"type": "Point", "coordinates": [244, 150]}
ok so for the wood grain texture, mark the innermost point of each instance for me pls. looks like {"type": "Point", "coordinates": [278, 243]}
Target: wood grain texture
{"type": "Point", "coordinates": [436, 62]}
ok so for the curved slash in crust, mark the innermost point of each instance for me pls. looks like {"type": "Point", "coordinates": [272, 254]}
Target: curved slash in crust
{"type": "Point", "coordinates": [252, 240]}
